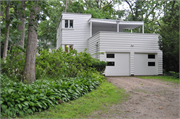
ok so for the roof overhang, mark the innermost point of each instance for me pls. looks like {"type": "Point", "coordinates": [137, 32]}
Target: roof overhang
{"type": "Point", "coordinates": [122, 24]}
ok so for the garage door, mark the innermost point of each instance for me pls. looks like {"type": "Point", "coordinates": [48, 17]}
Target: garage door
{"type": "Point", "coordinates": [145, 64]}
{"type": "Point", "coordinates": [118, 64]}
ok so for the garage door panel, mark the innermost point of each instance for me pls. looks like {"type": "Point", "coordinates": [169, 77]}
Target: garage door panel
{"type": "Point", "coordinates": [145, 65]}
{"type": "Point", "coordinates": [121, 65]}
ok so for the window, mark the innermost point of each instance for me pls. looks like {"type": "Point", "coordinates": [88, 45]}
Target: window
{"type": "Point", "coordinates": [71, 47]}
{"type": "Point", "coordinates": [110, 64]}
{"type": "Point", "coordinates": [67, 47]}
{"type": "Point", "coordinates": [110, 55]}
{"type": "Point", "coordinates": [68, 23]}
{"type": "Point", "coordinates": [151, 56]}
{"type": "Point", "coordinates": [151, 63]}
{"type": "Point", "coordinates": [71, 23]}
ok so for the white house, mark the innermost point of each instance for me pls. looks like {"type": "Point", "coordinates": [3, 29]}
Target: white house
{"type": "Point", "coordinates": [126, 53]}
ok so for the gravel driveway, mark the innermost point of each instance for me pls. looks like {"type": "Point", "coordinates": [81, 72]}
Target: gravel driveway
{"type": "Point", "coordinates": [149, 99]}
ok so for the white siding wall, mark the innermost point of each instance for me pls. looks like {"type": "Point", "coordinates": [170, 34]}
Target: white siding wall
{"type": "Point", "coordinates": [92, 47]}
{"type": "Point", "coordinates": [59, 36]}
{"type": "Point", "coordinates": [121, 42]}
{"type": "Point", "coordinates": [160, 62]}
{"type": "Point", "coordinates": [79, 34]}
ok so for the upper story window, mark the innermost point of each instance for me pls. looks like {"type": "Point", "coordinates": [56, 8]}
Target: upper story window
{"type": "Point", "coordinates": [68, 23]}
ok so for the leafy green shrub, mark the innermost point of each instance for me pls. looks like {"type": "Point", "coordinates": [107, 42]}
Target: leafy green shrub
{"type": "Point", "coordinates": [56, 64]}
{"type": "Point", "coordinates": [14, 65]}
{"type": "Point", "coordinates": [18, 99]}
{"type": "Point", "coordinates": [172, 73]}
{"type": "Point", "coordinates": [100, 66]}
{"type": "Point", "coordinates": [66, 64]}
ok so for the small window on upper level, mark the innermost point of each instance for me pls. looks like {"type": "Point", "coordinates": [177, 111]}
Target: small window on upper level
{"type": "Point", "coordinates": [71, 23]}
{"type": "Point", "coordinates": [68, 23]}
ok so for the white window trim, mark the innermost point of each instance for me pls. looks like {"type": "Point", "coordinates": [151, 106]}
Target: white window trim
{"type": "Point", "coordinates": [68, 24]}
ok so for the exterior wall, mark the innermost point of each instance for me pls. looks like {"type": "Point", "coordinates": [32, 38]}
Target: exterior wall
{"type": "Point", "coordinates": [92, 45]}
{"type": "Point", "coordinates": [160, 62]}
{"type": "Point", "coordinates": [78, 35]}
{"type": "Point", "coordinates": [132, 43]}
{"type": "Point", "coordinates": [59, 36]}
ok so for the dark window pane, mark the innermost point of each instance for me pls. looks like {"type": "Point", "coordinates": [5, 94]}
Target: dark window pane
{"type": "Point", "coordinates": [110, 64]}
{"type": "Point", "coordinates": [151, 56]}
{"type": "Point", "coordinates": [71, 23]}
{"type": "Point", "coordinates": [110, 56]}
{"type": "Point", "coordinates": [71, 47]}
{"type": "Point", "coordinates": [151, 63]}
{"type": "Point", "coordinates": [66, 23]}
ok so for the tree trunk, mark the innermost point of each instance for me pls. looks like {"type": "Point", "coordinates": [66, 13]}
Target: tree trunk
{"type": "Point", "coordinates": [21, 27]}
{"type": "Point", "coordinates": [7, 34]}
{"type": "Point", "coordinates": [29, 69]}
{"type": "Point", "coordinates": [65, 5]}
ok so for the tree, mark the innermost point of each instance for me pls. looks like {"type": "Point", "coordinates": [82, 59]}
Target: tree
{"type": "Point", "coordinates": [169, 36]}
{"type": "Point", "coordinates": [29, 69]}
{"type": "Point", "coordinates": [7, 33]}
{"type": "Point", "coordinates": [21, 27]}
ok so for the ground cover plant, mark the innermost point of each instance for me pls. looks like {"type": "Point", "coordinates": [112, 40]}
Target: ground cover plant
{"type": "Point", "coordinates": [19, 99]}
{"type": "Point", "coordinates": [60, 77]}
{"type": "Point", "coordinates": [163, 78]}
{"type": "Point", "coordinates": [105, 95]}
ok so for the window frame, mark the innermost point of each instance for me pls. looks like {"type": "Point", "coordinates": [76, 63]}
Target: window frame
{"type": "Point", "coordinates": [150, 65]}
{"type": "Point", "coordinates": [110, 54]}
{"type": "Point", "coordinates": [69, 46]}
{"type": "Point", "coordinates": [111, 61]}
{"type": "Point", "coordinates": [68, 23]}
{"type": "Point", "coordinates": [151, 57]}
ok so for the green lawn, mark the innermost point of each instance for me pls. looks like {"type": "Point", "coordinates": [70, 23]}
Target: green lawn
{"type": "Point", "coordinates": [106, 95]}
{"type": "Point", "coordinates": [163, 78]}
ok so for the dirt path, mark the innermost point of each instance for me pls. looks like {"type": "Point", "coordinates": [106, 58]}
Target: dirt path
{"type": "Point", "coordinates": [149, 99]}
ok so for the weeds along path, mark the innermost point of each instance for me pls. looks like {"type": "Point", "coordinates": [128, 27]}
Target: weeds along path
{"type": "Point", "coordinates": [149, 99]}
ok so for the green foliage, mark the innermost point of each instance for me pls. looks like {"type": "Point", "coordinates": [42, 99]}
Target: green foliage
{"type": "Point", "coordinates": [67, 64]}
{"type": "Point", "coordinates": [171, 73]}
{"type": "Point", "coordinates": [15, 62]}
{"type": "Point", "coordinates": [169, 37]}
{"type": "Point", "coordinates": [100, 66]}
{"type": "Point", "coordinates": [101, 98]}
{"type": "Point", "coordinates": [18, 99]}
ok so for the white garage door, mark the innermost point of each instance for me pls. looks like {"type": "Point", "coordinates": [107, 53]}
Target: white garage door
{"type": "Point", "coordinates": [118, 64]}
{"type": "Point", "coordinates": [145, 64]}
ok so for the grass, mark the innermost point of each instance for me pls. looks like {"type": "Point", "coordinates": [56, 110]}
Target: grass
{"type": "Point", "coordinates": [163, 78]}
{"type": "Point", "coordinates": [106, 95]}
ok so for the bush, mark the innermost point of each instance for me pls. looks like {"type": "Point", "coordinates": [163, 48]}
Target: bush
{"type": "Point", "coordinates": [99, 66]}
{"type": "Point", "coordinates": [18, 99]}
{"type": "Point", "coordinates": [56, 64]}
{"type": "Point", "coordinates": [171, 73]}
{"type": "Point", "coordinates": [14, 66]}
{"type": "Point", "coordinates": [67, 64]}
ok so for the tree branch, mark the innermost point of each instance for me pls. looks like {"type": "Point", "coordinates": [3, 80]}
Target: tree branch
{"type": "Point", "coordinates": [130, 7]}
{"type": "Point", "coordinates": [151, 11]}
{"type": "Point", "coordinates": [107, 5]}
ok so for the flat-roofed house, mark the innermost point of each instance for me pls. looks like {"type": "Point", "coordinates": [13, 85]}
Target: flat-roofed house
{"type": "Point", "coordinates": [127, 53]}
